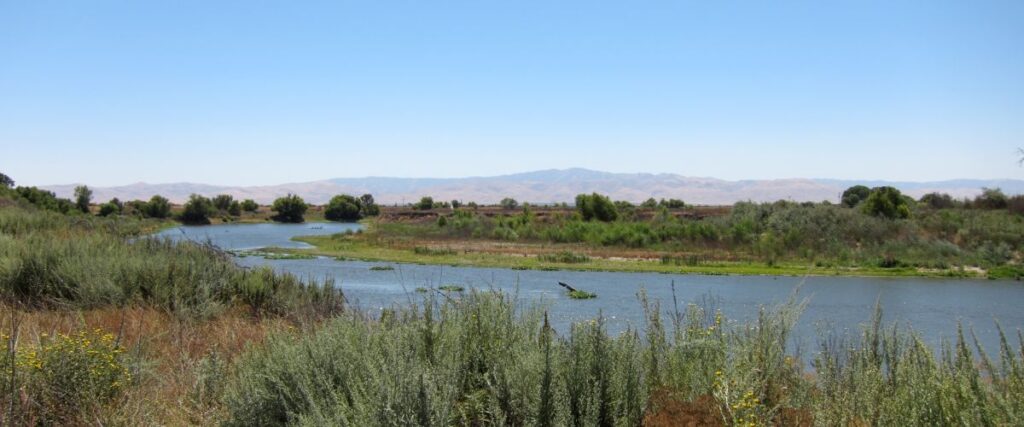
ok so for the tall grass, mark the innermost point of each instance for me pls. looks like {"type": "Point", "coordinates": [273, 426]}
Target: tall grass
{"type": "Point", "coordinates": [52, 260]}
{"type": "Point", "coordinates": [476, 360]}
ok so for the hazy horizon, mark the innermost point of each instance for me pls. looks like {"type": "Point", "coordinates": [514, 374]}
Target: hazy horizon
{"type": "Point", "coordinates": [240, 93]}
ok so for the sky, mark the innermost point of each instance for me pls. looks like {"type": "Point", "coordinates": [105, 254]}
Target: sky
{"type": "Point", "coordinates": [260, 92]}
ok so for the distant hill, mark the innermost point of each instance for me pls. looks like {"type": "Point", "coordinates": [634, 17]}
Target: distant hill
{"type": "Point", "coordinates": [548, 186]}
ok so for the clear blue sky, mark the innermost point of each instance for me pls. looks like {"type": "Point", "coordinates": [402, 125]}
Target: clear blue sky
{"type": "Point", "coordinates": [257, 92]}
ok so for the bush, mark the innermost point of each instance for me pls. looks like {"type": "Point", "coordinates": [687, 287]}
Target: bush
{"type": "Point", "coordinates": [157, 207]}
{"type": "Point", "coordinates": [222, 201]}
{"type": "Point", "coordinates": [83, 195]}
{"type": "Point", "coordinates": [990, 198]}
{"type": "Point", "coordinates": [343, 208]}
{"type": "Point", "coordinates": [508, 203]}
{"type": "Point", "coordinates": [854, 195]}
{"type": "Point", "coordinates": [109, 208]}
{"type": "Point", "coordinates": [68, 377]}
{"type": "Point", "coordinates": [886, 202]}
{"type": "Point", "coordinates": [290, 208]}
{"type": "Point", "coordinates": [426, 203]}
{"type": "Point", "coordinates": [596, 206]}
{"type": "Point", "coordinates": [196, 210]}
{"type": "Point", "coordinates": [249, 205]}
{"type": "Point", "coordinates": [938, 200]}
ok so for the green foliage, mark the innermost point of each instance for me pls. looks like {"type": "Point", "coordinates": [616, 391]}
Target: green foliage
{"type": "Point", "coordinates": [157, 207]}
{"type": "Point", "coordinates": [343, 207]}
{"type": "Point", "coordinates": [6, 181]}
{"type": "Point", "coordinates": [564, 257]}
{"type": "Point", "coordinates": [250, 205]}
{"type": "Point", "coordinates": [43, 199]}
{"type": "Point", "coordinates": [854, 195]}
{"type": "Point", "coordinates": [508, 203]}
{"type": "Point", "coordinates": [451, 288]}
{"type": "Point", "coordinates": [426, 203]}
{"type": "Point", "coordinates": [368, 205]}
{"type": "Point", "coordinates": [66, 376]}
{"type": "Point", "coordinates": [290, 208]}
{"type": "Point", "coordinates": [109, 208]}
{"type": "Point", "coordinates": [991, 198]}
{"type": "Point", "coordinates": [649, 203]}
{"type": "Point", "coordinates": [672, 203]}
{"type": "Point", "coordinates": [196, 210]}
{"type": "Point", "coordinates": [83, 195]}
{"type": "Point", "coordinates": [578, 294]}
{"type": "Point", "coordinates": [222, 202]}
{"type": "Point", "coordinates": [235, 208]}
{"type": "Point", "coordinates": [886, 202]}
{"type": "Point", "coordinates": [938, 201]}
{"type": "Point", "coordinates": [596, 206]}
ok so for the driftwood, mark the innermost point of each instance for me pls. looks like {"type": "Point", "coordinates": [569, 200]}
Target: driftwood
{"type": "Point", "coordinates": [566, 286]}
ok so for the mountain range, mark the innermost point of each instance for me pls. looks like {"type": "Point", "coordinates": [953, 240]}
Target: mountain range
{"type": "Point", "coordinates": [548, 186]}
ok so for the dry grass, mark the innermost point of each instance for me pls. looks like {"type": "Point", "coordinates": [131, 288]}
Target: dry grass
{"type": "Point", "coordinates": [164, 351]}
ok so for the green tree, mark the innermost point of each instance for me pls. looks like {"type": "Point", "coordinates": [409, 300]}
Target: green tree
{"type": "Point", "coordinates": [596, 206]}
{"type": "Point", "coordinates": [222, 201]}
{"type": "Point", "coordinates": [938, 200]}
{"type": "Point", "coordinates": [368, 205]}
{"type": "Point", "coordinates": [157, 207]}
{"type": "Point", "coordinates": [673, 203]}
{"type": "Point", "coordinates": [426, 203]}
{"type": "Point", "coordinates": [886, 202]}
{"type": "Point", "coordinates": [235, 208]}
{"type": "Point", "coordinates": [6, 181]}
{"type": "Point", "coordinates": [289, 208]}
{"type": "Point", "coordinates": [508, 203]}
{"type": "Point", "coordinates": [649, 203]}
{"type": "Point", "coordinates": [109, 208]}
{"type": "Point", "coordinates": [197, 210]}
{"type": "Point", "coordinates": [249, 205]}
{"type": "Point", "coordinates": [990, 198]}
{"type": "Point", "coordinates": [343, 208]}
{"type": "Point", "coordinates": [456, 204]}
{"type": "Point", "coordinates": [83, 195]}
{"type": "Point", "coordinates": [854, 195]}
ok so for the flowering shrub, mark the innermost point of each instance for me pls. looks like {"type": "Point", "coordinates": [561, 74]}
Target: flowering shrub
{"type": "Point", "coordinates": [66, 375]}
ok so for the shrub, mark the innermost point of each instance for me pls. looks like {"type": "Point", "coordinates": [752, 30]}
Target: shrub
{"type": "Point", "coordinates": [222, 201]}
{"type": "Point", "coordinates": [886, 202]}
{"type": "Point", "coordinates": [250, 205]}
{"type": "Point", "coordinates": [854, 195]}
{"type": "Point", "coordinates": [343, 208]}
{"type": "Point", "coordinates": [990, 198]}
{"type": "Point", "coordinates": [83, 195]}
{"type": "Point", "coordinates": [157, 207]}
{"type": "Point", "coordinates": [290, 208]}
{"type": "Point", "coordinates": [426, 203]}
{"type": "Point", "coordinates": [596, 206]}
{"type": "Point", "coordinates": [938, 200]}
{"type": "Point", "coordinates": [68, 377]}
{"type": "Point", "coordinates": [508, 203]}
{"type": "Point", "coordinates": [196, 210]}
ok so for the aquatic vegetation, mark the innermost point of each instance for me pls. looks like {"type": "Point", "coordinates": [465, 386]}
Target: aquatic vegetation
{"type": "Point", "coordinates": [578, 294]}
{"type": "Point", "coordinates": [451, 288]}
{"type": "Point", "coordinates": [382, 268]}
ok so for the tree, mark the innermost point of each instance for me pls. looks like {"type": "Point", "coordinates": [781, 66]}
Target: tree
{"type": "Point", "coordinates": [83, 195]}
{"type": "Point", "coordinates": [343, 208]}
{"type": "Point", "coordinates": [886, 202]}
{"type": "Point", "coordinates": [369, 206]}
{"type": "Point", "coordinates": [649, 203]}
{"type": "Point", "coordinates": [673, 203]}
{"type": "Point", "coordinates": [426, 203]}
{"type": "Point", "coordinates": [249, 205]}
{"type": "Point", "coordinates": [223, 201]}
{"type": "Point", "coordinates": [157, 207]}
{"type": "Point", "coordinates": [938, 200]}
{"type": "Point", "coordinates": [197, 210]}
{"type": "Point", "coordinates": [990, 198]}
{"type": "Point", "coordinates": [6, 181]}
{"type": "Point", "coordinates": [109, 208]}
{"type": "Point", "coordinates": [854, 195]}
{"type": "Point", "coordinates": [596, 206]}
{"type": "Point", "coordinates": [289, 208]}
{"type": "Point", "coordinates": [456, 204]}
{"type": "Point", "coordinates": [508, 203]}
{"type": "Point", "coordinates": [235, 208]}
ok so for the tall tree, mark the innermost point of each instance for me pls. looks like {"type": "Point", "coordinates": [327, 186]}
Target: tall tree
{"type": "Point", "coordinates": [6, 181]}
{"type": "Point", "coordinates": [83, 195]}
{"type": "Point", "coordinates": [289, 208]}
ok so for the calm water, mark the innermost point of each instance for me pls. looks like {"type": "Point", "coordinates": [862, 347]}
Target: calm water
{"type": "Point", "coordinates": [835, 304]}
